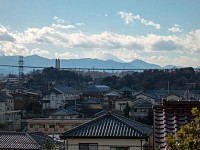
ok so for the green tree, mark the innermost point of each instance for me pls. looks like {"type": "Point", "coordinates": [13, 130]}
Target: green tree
{"type": "Point", "coordinates": [127, 109]}
{"type": "Point", "coordinates": [188, 137]}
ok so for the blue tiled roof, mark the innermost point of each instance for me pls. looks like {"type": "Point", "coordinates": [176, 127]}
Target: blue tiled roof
{"type": "Point", "coordinates": [102, 88]}
{"type": "Point", "coordinates": [66, 89]}
{"type": "Point", "coordinates": [110, 126]}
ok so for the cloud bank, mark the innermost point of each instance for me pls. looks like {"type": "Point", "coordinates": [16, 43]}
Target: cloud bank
{"type": "Point", "coordinates": [105, 45]}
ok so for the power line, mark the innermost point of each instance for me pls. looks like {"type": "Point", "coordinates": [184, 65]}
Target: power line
{"type": "Point", "coordinates": [99, 69]}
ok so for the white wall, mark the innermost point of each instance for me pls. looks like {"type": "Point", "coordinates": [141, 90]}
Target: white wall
{"type": "Point", "coordinates": [106, 144]}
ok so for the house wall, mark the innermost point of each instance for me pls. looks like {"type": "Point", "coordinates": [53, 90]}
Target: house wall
{"type": "Point", "coordinates": [173, 97]}
{"type": "Point", "coordinates": [12, 119]}
{"type": "Point", "coordinates": [95, 106]}
{"type": "Point", "coordinates": [3, 106]}
{"type": "Point", "coordinates": [23, 99]}
{"type": "Point", "coordinates": [10, 104]}
{"type": "Point", "coordinates": [106, 144]}
{"type": "Point", "coordinates": [140, 112]}
{"type": "Point", "coordinates": [58, 100]}
{"type": "Point", "coordinates": [120, 105]}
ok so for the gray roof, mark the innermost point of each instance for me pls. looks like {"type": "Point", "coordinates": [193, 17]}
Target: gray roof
{"type": "Point", "coordinates": [113, 93]}
{"type": "Point", "coordinates": [64, 112]}
{"type": "Point", "coordinates": [52, 90]}
{"type": "Point", "coordinates": [110, 126]}
{"type": "Point", "coordinates": [66, 89]}
{"type": "Point", "coordinates": [126, 89]}
{"type": "Point", "coordinates": [102, 88]}
{"type": "Point", "coordinates": [17, 140]}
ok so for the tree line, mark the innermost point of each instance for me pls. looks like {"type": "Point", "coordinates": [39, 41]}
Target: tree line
{"type": "Point", "coordinates": [177, 79]}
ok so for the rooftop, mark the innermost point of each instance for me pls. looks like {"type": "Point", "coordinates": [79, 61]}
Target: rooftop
{"type": "Point", "coordinates": [16, 140]}
{"type": "Point", "coordinates": [110, 126]}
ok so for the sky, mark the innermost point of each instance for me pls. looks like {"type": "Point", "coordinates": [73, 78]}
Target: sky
{"type": "Point", "coordinates": [156, 31]}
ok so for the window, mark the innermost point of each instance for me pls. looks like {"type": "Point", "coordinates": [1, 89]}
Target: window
{"type": "Point", "coordinates": [51, 126]}
{"type": "Point", "coordinates": [41, 126]}
{"type": "Point", "coordinates": [31, 125]}
{"type": "Point", "coordinates": [88, 146]}
{"type": "Point", "coordinates": [119, 148]}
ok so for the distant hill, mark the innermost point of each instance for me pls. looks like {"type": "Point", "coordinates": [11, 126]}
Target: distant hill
{"type": "Point", "coordinates": [35, 60]}
{"type": "Point", "coordinates": [172, 67]}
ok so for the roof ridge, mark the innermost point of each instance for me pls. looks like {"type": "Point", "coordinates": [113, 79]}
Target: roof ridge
{"type": "Point", "coordinates": [33, 140]}
{"type": "Point", "coordinates": [85, 124]}
{"type": "Point", "coordinates": [58, 90]}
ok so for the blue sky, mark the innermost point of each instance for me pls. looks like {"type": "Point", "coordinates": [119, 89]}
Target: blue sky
{"type": "Point", "coordinates": [160, 32]}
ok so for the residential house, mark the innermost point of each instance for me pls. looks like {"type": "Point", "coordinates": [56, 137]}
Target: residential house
{"type": "Point", "coordinates": [6, 102]}
{"type": "Point", "coordinates": [110, 97]}
{"type": "Point", "coordinates": [120, 104]}
{"type": "Point", "coordinates": [141, 108]}
{"type": "Point", "coordinates": [173, 97]}
{"type": "Point", "coordinates": [59, 97]}
{"type": "Point", "coordinates": [11, 80]}
{"type": "Point", "coordinates": [91, 106]}
{"type": "Point", "coordinates": [10, 120]}
{"type": "Point", "coordinates": [24, 98]}
{"type": "Point", "coordinates": [127, 92]}
{"type": "Point", "coordinates": [169, 116]}
{"type": "Point", "coordinates": [147, 95]}
{"type": "Point", "coordinates": [3, 102]}
{"type": "Point", "coordinates": [108, 132]}
{"type": "Point", "coordinates": [95, 91]}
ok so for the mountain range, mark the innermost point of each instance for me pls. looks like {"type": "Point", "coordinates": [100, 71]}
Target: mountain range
{"type": "Point", "coordinates": [38, 61]}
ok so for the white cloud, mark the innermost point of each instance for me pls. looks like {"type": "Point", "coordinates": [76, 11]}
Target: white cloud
{"type": "Point", "coordinates": [61, 26]}
{"type": "Point", "coordinates": [66, 55]}
{"type": "Point", "coordinates": [58, 20]}
{"type": "Point", "coordinates": [106, 40]}
{"type": "Point", "coordinates": [129, 18]}
{"type": "Point", "coordinates": [104, 45]}
{"type": "Point", "coordinates": [5, 35]}
{"type": "Point", "coordinates": [39, 51]}
{"type": "Point", "coordinates": [176, 28]}
{"type": "Point", "coordinates": [106, 15]}
{"type": "Point", "coordinates": [80, 24]}
{"type": "Point", "coordinates": [12, 49]}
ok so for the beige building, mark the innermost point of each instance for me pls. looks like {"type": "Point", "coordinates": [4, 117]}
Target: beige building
{"type": "Point", "coordinates": [53, 125]}
{"type": "Point", "coordinates": [11, 120]}
{"type": "Point", "coordinates": [108, 132]}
